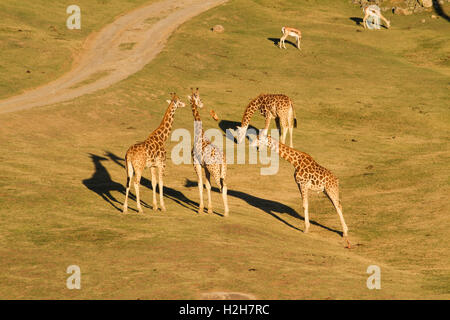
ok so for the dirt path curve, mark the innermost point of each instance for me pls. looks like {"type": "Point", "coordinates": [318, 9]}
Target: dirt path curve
{"type": "Point", "coordinates": [142, 33]}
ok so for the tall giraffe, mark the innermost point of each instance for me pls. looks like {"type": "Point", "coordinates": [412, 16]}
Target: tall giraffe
{"type": "Point", "coordinates": [278, 106]}
{"type": "Point", "coordinates": [309, 176]}
{"type": "Point", "coordinates": [151, 153]}
{"type": "Point", "coordinates": [208, 156]}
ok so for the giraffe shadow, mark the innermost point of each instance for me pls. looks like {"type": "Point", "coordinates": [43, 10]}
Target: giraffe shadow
{"type": "Point", "coordinates": [169, 192]}
{"type": "Point", "coordinates": [276, 42]}
{"type": "Point", "coordinates": [227, 125]}
{"type": "Point", "coordinates": [270, 207]}
{"type": "Point", "coordinates": [101, 183]}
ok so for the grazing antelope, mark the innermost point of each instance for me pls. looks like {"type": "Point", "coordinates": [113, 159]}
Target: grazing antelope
{"type": "Point", "coordinates": [290, 32]}
{"type": "Point", "coordinates": [373, 9]}
{"type": "Point", "coordinates": [309, 176]}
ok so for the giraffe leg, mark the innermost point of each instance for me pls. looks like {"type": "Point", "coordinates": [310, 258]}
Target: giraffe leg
{"type": "Point", "coordinates": [291, 129]}
{"type": "Point", "coordinates": [129, 178]}
{"type": "Point", "coordinates": [225, 198]}
{"type": "Point", "coordinates": [161, 188]}
{"type": "Point", "coordinates": [137, 181]}
{"type": "Point", "coordinates": [266, 127]}
{"type": "Point", "coordinates": [304, 193]}
{"type": "Point", "coordinates": [155, 204]}
{"type": "Point", "coordinates": [283, 134]}
{"type": "Point", "coordinates": [336, 203]}
{"type": "Point", "coordinates": [198, 170]}
{"type": "Point", "coordinates": [208, 190]}
{"type": "Point", "coordinates": [298, 43]}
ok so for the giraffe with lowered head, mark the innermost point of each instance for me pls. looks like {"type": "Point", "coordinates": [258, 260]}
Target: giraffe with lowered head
{"type": "Point", "coordinates": [309, 176]}
{"type": "Point", "coordinates": [151, 153]}
{"type": "Point", "coordinates": [208, 156]}
{"type": "Point", "coordinates": [278, 106]}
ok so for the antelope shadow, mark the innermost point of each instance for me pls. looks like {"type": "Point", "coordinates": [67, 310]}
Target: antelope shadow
{"type": "Point", "coordinates": [358, 21]}
{"type": "Point", "coordinates": [276, 42]}
{"type": "Point", "coordinates": [102, 184]}
{"type": "Point", "coordinates": [270, 207]}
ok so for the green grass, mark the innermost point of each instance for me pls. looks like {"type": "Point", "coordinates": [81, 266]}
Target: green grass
{"type": "Point", "coordinates": [367, 111]}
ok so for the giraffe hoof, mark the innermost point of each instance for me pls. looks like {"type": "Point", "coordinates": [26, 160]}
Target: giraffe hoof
{"type": "Point", "coordinates": [225, 215]}
{"type": "Point", "coordinates": [141, 211]}
{"type": "Point", "coordinates": [306, 230]}
{"type": "Point", "coordinates": [155, 207]}
{"type": "Point", "coordinates": [210, 210]}
{"type": "Point", "coordinates": [200, 210]}
{"type": "Point", "coordinates": [163, 208]}
{"type": "Point", "coordinates": [348, 245]}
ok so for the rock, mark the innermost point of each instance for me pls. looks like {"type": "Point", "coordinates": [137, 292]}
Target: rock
{"type": "Point", "coordinates": [423, 20]}
{"type": "Point", "coordinates": [427, 3]}
{"type": "Point", "coordinates": [402, 11]}
{"type": "Point", "coordinates": [434, 16]}
{"type": "Point", "coordinates": [218, 28]}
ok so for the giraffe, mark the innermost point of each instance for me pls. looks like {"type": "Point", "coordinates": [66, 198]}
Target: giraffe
{"type": "Point", "coordinates": [208, 156]}
{"type": "Point", "coordinates": [278, 106]}
{"type": "Point", "coordinates": [309, 176]}
{"type": "Point", "coordinates": [151, 153]}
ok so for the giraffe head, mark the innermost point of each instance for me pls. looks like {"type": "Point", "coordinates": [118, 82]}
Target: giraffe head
{"type": "Point", "coordinates": [195, 98]}
{"type": "Point", "coordinates": [241, 131]}
{"type": "Point", "coordinates": [177, 103]}
{"type": "Point", "coordinates": [262, 140]}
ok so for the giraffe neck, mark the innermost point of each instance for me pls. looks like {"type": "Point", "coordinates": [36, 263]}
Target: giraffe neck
{"type": "Point", "coordinates": [198, 134]}
{"type": "Point", "coordinates": [283, 150]}
{"type": "Point", "coordinates": [249, 111]}
{"type": "Point", "coordinates": [195, 112]}
{"type": "Point", "coordinates": [163, 131]}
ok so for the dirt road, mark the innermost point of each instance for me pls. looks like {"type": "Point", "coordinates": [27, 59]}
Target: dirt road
{"type": "Point", "coordinates": [117, 51]}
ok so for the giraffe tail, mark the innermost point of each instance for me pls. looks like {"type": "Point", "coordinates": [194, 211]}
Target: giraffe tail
{"type": "Point", "coordinates": [295, 117]}
{"type": "Point", "coordinates": [129, 168]}
{"type": "Point", "coordinates": [223, 175]}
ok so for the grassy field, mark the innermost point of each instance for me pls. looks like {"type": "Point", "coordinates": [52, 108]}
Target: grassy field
{"type": "Point", "coordinates": [372, 107]}
{"type": "Point", "coordinates": [35, 45]}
